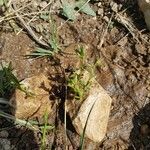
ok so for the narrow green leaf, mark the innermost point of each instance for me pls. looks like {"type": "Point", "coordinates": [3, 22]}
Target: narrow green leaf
{"type": "Point", "coordinates": [39, 54]}
{"type": "Point", "coordinates": [1, 2]}
{"type": "Point", "coordinates": [68, 10]}
{"type": "Point", "coordinates": [40, 50]}
{"type": "Point", "coordinates": [85, 7]}
{"type": "Point", "coordinates": [84, 130]}
{"type": "Point", "coordinates": [5, 101]}
{"type": "Point", "coordinates": [44, 16]}
{"type": "Point", "coordinates": [17, 121]}
{"type": "Point", "coordinates": [47, 127]}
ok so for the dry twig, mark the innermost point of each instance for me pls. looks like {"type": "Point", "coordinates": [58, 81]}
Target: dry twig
{"type": "Point", "coordinates": [29, 29]}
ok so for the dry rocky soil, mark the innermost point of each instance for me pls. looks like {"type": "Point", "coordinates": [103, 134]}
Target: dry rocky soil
{"type": "Point", "coordinates": [117, 36]}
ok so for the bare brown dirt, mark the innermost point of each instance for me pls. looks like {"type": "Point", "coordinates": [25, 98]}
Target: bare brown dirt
{"type": "Point", "coordinates": [124, 72]}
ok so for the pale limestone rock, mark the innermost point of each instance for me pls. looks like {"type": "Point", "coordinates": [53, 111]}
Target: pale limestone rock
{"type": "Point", "coordinates": [144, 6]}
{"type": "Point", "coordinates": [36, 105]}
{"type": "Point", "coordinates": [98, 119]}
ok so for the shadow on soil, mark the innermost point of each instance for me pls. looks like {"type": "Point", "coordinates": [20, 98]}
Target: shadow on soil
{"type": "Point", "coordinates": [60, 91]}
{"type": "Point", "coordinates": [21, 138]}
{"type": "Point", "coordinates": [140, 134]}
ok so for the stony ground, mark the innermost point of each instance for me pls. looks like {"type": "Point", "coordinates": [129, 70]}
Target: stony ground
{"type": "Point", "coordinates": [117, 36]}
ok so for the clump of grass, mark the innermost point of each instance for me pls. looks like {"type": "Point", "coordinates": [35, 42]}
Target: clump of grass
{"type": "Point", "coordinates": [53, 42]}
{"type": "Point", "coordinates": [9, 82]}
{"type": "Point", "coordinates": [45, 128]}
{"type": "Point", "coordinates": [78, 85]}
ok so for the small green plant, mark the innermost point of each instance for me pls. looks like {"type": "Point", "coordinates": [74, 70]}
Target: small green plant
{"type": "Point", "coordinates": [53, 42]}
{"type": "Point", "coordinates": [9, 82]}
{"type": "Point", "coordinates": [45, 128]}
{"type": "Point", "coordinates": [78, 85]}
{"type": "Point", "coordinates": [81, 54]}
{"type": "Point", "coordinates": [80, 80]}
{"type": "Point", "coordinates": [71, 8]}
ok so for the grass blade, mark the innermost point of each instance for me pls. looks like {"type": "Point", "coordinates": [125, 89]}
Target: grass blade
{"type": "Point", "coordinates": [83, 134]}
{"type": "Point", "coordinates": [17, 121]}
{"type": "Point", "coordinates": [5, 102]}
{"type": "Point", "coordinates": [45, 129]}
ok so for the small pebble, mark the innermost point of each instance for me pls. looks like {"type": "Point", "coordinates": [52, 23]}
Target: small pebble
{"type": "Point", "coordinates": [5, 144]}
{"type": "Point", "coordinates": [99, 4]}
{"type": "Point", "coordinates": [100, 11]}
{"type": "Point", "coordinates": [145, 130]}
{"type": "Point", "coordinates": [106, 18]}
{"type": "Point", "coordinates": [4, 134]}
{"type": "Point", "coordinates": [43, 4]}
{"type": "Point", "coordinates": [114, 6]}
{"type": "Point", "coordinates": [35, 4]}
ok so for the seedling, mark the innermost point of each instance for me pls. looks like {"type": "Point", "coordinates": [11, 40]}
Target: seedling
{"type": "Point", "coordinates": [80, 80]}
{"type": "Point", "coordinates": [81, 53]}
{"type": "Point", "coordinates": [78, 86]}
{"type": "Point", "coordinates": [44, 130]}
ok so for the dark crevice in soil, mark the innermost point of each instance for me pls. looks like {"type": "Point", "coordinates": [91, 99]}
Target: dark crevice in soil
{"type": "Point", "coordinates": [140, 134]}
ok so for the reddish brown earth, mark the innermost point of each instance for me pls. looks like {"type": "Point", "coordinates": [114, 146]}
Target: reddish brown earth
{"type": "Point", "coordinates": [124, 72]}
